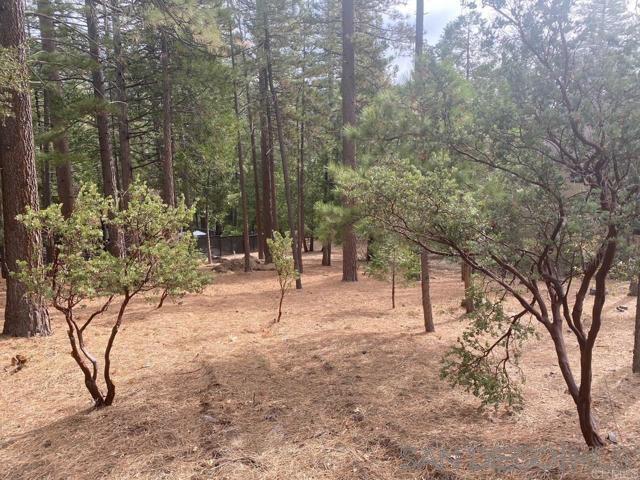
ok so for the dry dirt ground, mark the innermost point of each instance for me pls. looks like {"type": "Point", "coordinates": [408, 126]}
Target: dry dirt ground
{"type": "Point", "coordinates": [343, 388]}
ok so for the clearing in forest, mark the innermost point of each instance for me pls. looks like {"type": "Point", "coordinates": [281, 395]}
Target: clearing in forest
{"type": "Point", "coordinates": [343, 387]}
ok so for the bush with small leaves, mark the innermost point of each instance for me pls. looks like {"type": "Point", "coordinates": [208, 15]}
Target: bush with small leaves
{"type": "Point", "coordinates": [280, 246]}
{"type": "Point", "coordinates": [392, 258]}
{"type": "Point", "coordinates": [485, 359]}
{"type": "Point", "coordinates": [83, 276]}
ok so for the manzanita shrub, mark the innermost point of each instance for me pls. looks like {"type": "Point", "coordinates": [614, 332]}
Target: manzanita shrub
{"type": "Point", "coordinates": [82, 280]}
{"type": "Point", "coordinates": [280, 246]}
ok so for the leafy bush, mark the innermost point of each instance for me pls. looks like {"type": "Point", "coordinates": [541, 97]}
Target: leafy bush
{"type": "Point", "coordinates": [280, 246]}
{"type": "Point", "coordinates": [82, 276]}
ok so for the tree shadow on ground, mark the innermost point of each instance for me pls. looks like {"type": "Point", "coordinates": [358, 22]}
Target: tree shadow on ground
{"type": "Point", "coordinates": [347, 406]}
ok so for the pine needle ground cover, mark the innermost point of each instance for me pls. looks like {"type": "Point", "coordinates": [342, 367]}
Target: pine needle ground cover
{"type": "Point", "coordinates": [343, 387]}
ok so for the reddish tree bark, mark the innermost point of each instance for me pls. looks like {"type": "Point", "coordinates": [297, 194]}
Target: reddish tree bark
{"type": "Point", "coordinates": [25, 316]}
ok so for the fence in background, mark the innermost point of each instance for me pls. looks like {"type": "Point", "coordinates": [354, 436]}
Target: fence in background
{"type": "Point", "coordinates": [230, 244]}
{"type": "Point", "coordinates": [227, 244]}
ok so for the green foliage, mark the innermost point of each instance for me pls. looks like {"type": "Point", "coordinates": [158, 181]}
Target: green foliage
{"type": "Point", "coordinates": [390, 256]}
{"type": "Point", "coordinates": [158, 257]}
{"type": "Point", "coordinates": [280, 246]}
{"type": "Point", "coordinates": [13, 78]}
{"type": "Point", "coordinates": [486, 357]}
{"type": "Point", "coordinates": [330, 218]}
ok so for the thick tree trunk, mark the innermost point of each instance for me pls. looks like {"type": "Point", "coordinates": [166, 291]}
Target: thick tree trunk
{"type": "Point", "coordinates": [283, 157]}
{"type": "Point", "coordinates": [25, 316]}
{"type": "Point", "coordinates": [581, 394]}
{"type": "Point", "coordinates": [243, 190]}
{"type": "Point", "coordinates": [326, 254]}
{"type": "Point", "coordinates": [168, 191]}
{"type": "Point", "coordinates": [349, 242]}
{"type": "Point", "coordinates": [109, 182]}
{"type": "Point", "coordinates": [636, 343]}
{"type": "Point", "coordinates": [53, 98]}
{"type": "Point", "coordinates": [427, 310]}
{"type": "Point", "coordinates": [123, 108]}
{"type": "Point", "coordinates": [267, 186]}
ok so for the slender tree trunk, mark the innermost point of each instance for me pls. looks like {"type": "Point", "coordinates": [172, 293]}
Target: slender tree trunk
{"type": "Point", "coordinates": [267, 186]}
{"type": "Point", "coordinates": [25, 315]}
{"type": "Point", "coordinates": [419, 33]}
{"type": "Point", "coordinates": [53, 95]}
{"type": "Point", "coordinates": [467, 278]}
{"type": "Point", "coordinates": [111, 388]}
{"type": "Point", "coordinates": [123, 107]}
{"type": "Point", "coordinates": [46, 170]}
{"type": "Point", "coordinates": [301, 226]}
{"type": "Point", "coordinates": [256, 183]}
{"type": "Point", "coordinates": [283, 156]}
{"type": "Point", "coordinates": [393, 285]}
{"type": "Point", "coordinates": [256, 177]}
{"type": "Point", "coordinates": [254, 157]}
{"type": "Point", "coordinates": [206, 226]}
{"type": "Point", "coordinates": [243, 190]}
{"type": "Point", "coordinates": [636, 344]}
{"type": "Point", "coordinates": [426, 293]}
{"type": "Point", "coordinates": [349, 241]}
{"type": "Point", "coordinates": [168, 191]}
{"type": "Point", "coordinates": [45, 147]}
{"type": "Point", "coordinates": [109, 182]}
{"type": "Point", "coordinates": [271, 158]}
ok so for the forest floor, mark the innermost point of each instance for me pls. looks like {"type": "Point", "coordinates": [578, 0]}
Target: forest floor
{"type": "Point", "coordinates": [343, 388]}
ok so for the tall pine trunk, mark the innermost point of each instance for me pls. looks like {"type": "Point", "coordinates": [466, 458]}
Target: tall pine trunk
{"type": "Point", "coordinates": [419, 33]}
{"type": "Point", "coordinates": [636, 343]}
{"type": "Point", "coordinates": [426, 292]}
{"type": "Point", "coordinates": [54, 102]}
{"type": "Point", "coordinates": [349, 242]}
{"type": "Point", "coordinates": [256, 175]}
{"type": "Point", "coordinates": [109, 182]}
{"type": "Point", "coordinates": [267, 186]}
{"type": "Point", "coordinates": [243, 191]}
{"type": "Point", "coordinates": [300, 176]}
{"type": "Point", "coordinates": [467, 279]}
{"type": "Point", "coordinates": [168, 191]}
{"type": "Point", "coordinates": [283, 154]}
{"type": "Point", "coordinates": [25, 316]}
{"type": "Point", "coordinates": [123, 107]}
